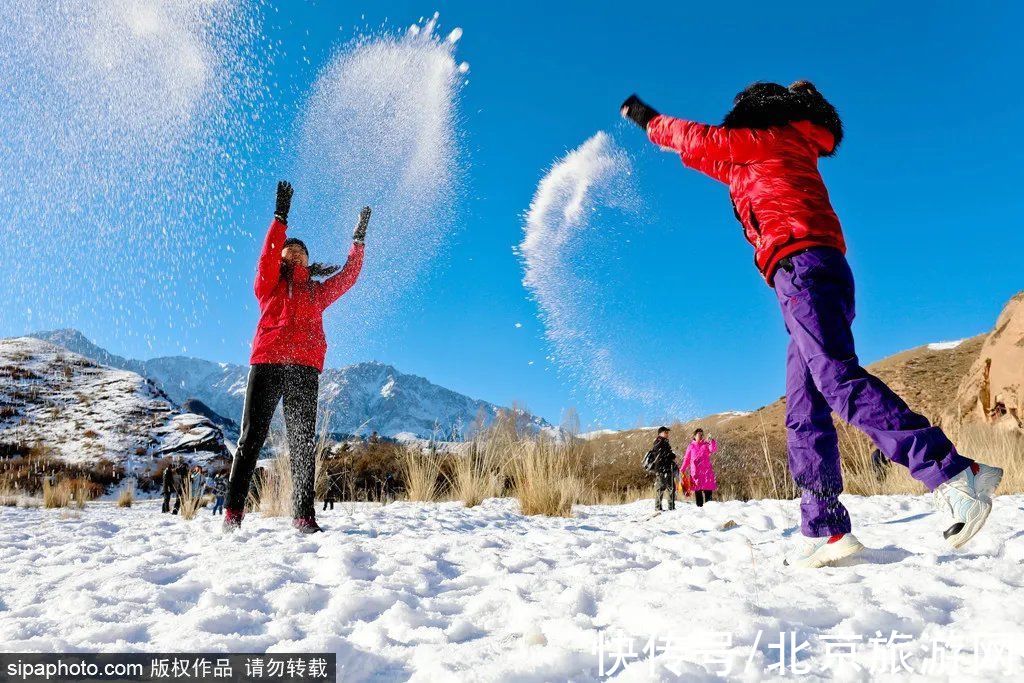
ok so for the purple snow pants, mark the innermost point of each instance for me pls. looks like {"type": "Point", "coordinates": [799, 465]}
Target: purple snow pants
{"type": "Point", "coordinates": [823, 374]}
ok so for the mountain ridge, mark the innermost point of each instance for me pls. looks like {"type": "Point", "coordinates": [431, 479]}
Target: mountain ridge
{"type": "Point", "coordinates": [357, 399]}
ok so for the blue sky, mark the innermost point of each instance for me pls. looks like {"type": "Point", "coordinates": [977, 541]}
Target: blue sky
{"type": "Point", "coordinates": [927, 185]}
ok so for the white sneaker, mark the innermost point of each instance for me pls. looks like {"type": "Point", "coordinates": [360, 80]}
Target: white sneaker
{"type": "Point", "coordinates": [986, 480]}
{"type": "Point", "coordinates": [817, 552]}
{"type": "Point", "coordinates": [966, 501]}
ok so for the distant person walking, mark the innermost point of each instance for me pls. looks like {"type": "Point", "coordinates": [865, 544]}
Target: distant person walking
{"type": "Point", "coordinates": [661, 462]}
{"type": "Point", "coordinates": [287, 358]}
{"type": "Point", "coordinates": [180, 480]}
{"type": "Point", "coordinates": [331, 494]}
{"type": "Point", "coordinates": [219, 487]}
{"type": "Point", "coordinates": [697, 464]}
{"type": "Point", "coordinates": [167, 481]}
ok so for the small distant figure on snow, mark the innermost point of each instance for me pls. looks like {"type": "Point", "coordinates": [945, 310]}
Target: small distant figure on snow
{"type": "Point", "coordinates": [697, 465]}
{"type": "Point", "coordinates": [661, 462]}
{"type": "Point", "coordinates": [220, 488]}
{"type": "Point", "coordinates": [167, 482]}
{"type": "Point", "coordinates": [331, 494]}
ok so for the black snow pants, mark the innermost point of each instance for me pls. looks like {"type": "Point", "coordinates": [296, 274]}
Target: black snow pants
{"type": "Point", "coordinates": [298, 385]}
{"type": "Point", "coordinates": [667, 482]}
{"type": "Point", "coordinates": [701, 497]}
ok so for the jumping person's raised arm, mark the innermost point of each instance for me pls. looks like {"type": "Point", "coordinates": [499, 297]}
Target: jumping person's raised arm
{"type": "Point", "coordinates": [701, 144]}
{"type": "Point", "coordinates": [268, 269]}
{"type": "Point", "coordinates": [709, 149]}
{"type": "Point", "coordinates": [336, 285]}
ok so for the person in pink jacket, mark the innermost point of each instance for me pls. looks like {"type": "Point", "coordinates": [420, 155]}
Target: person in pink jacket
{"type": "Point", "coordinates": [697, 462]}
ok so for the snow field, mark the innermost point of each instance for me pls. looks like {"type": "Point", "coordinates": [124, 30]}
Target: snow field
{"type": "Point", "coordinates": [440, 592]}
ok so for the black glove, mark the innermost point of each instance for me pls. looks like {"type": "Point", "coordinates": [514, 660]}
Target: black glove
{"type": "Point", "coordinates": [364, 220]}
{"type": "Point", "coordinates": [284, 200]}
{"type": "Point", "coordinates": [637, 111]}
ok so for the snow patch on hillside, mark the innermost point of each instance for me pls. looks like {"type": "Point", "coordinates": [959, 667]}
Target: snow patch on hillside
{"type": "Point", "coordinates": [946, 345]}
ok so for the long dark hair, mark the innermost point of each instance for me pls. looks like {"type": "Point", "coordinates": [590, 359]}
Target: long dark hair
{"type": "Point", "coordinates": [765, 105]}
{"type": "Point", "coordinates": [315, 269]}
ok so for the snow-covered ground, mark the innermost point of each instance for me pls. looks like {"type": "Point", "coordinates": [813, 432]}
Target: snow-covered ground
{"type": "Point", "coordinates": [439, 592]}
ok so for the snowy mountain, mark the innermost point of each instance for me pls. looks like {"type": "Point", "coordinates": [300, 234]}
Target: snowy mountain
{"type": "Point", "coordinates": [358, 398]}
{"type": "Point", "coordinates": [81, 411]}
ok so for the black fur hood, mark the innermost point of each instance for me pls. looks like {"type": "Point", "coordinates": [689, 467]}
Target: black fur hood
{"type": "Point", "coordinates": [764, 105]}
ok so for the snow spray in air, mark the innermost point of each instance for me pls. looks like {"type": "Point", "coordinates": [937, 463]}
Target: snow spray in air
{"type": "Point", "coordinates": [379, 130]}
{"type": "Point", "coordinates": [125, 124]}
{"type": "Point", "coordinates": [565, 255]}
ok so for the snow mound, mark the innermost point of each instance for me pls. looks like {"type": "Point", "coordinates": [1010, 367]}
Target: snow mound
{"type": "Point", "coordinates": [441, 592]}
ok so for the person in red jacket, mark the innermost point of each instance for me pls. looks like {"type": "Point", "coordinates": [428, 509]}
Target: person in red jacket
{"type": "Point", "coordinates": [287, 358]}
{"type": "Point", "coordinates": [767, 152]}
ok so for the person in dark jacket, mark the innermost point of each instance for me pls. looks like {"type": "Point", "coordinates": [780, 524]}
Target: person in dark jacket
{"type": "Point", "coordinates": [287, 358]}
{"type": "Point", "coordinates": [179, 480]}
{"type": "Point", "coordinates": [331, 494]}
{"type": "Point", "coordinates": [219, 488]}
{"type": "Point", "coordinates": [767, 151]}
{"type": "Point", "coordinates": [167, 480]}
{"type": "Point", "coordinates": [663, 464]}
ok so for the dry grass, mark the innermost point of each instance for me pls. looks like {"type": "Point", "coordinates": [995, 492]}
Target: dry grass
{"type": "Point", "coordinates": [549, 478]}
{"type": "Point", "coordinates": [55, 495]}
{"type": "Point", "coordinates": [421, 473]}
{"type": "Point", "coordinates": [190, 502]}
{"type": "Point", "coordinates": [275, 487]}
{"type": "Point", "coordinates": [127, 495]}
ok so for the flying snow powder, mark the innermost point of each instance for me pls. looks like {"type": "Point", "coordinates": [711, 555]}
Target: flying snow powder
{"type": "Point", "coordinates": [564, 253]}
{"type": "Point", "coordinates": [379, 130]}
{"type": "Point", "coordinates": [126, 127]}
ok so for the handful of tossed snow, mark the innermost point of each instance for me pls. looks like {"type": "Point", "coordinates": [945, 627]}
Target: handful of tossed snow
{"type": "Point", "coordinates": [379, 130]}
{"type": "Point", "coordinates": [563, 250]}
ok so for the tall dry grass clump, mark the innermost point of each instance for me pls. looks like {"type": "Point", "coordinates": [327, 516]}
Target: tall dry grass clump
{"type": "Point", "coordinates": [421, 473]}
{"type": "Point", "coordinates": [56, 494]}
{"type": "Point", "coordinates": [190, 502]}
{"type": "Point", "coordinates": [549, 478]}
{"type": "Point", "coordinates": [481, 471]}
{"type": "Point", "coordinates": [127, 495]}
{"type": "Point", "coordinates": [275, 487]}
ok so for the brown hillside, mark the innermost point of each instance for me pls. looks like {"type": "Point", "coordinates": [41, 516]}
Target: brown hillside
{"type": "Point", "coordinates": [752, 446]}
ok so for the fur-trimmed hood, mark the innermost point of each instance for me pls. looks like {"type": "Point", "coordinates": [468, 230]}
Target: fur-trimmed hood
{"type": "Point", "coordinates": [764, 105]}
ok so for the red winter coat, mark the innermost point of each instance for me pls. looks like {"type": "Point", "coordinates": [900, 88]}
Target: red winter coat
{"type": "Point", "coordinates": [776, 190]}
{"type": "Point", "coordinates": [291, 327]}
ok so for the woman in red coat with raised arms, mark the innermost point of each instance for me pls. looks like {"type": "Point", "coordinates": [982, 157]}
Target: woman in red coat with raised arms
{"type": "Point", "coordinates": [287, 358]}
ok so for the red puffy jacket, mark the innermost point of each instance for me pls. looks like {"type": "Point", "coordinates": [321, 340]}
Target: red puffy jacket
{"type": "Point", "coordinates": [776, 190]}
{"type": "Point", "coordinates": [291, 327]}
